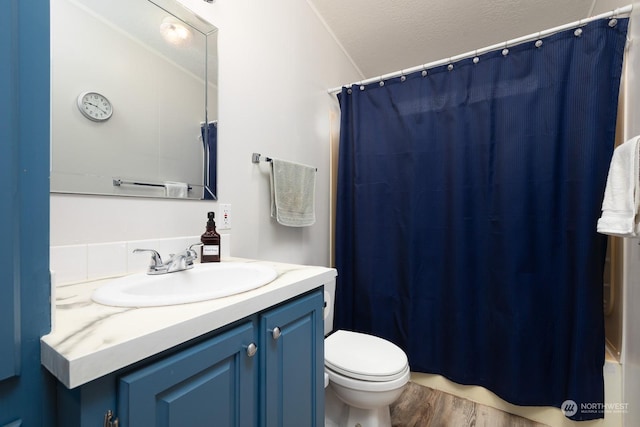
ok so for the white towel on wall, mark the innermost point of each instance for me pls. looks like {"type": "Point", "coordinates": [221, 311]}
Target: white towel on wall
{"type": "Point", "coordinates": [293, 193]}
{"type": "Point", "coordinates": [176, 189]}
{"type": "Point", "coordinates": [622, 193]}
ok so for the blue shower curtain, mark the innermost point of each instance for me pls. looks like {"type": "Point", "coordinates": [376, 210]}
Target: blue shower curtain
{"type": "Point", "coordinates": [466, 216]}
{"type": "Point", "coordinates": [210, 146]}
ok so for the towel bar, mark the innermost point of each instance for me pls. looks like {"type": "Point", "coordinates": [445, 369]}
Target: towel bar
{"type": "Point", "coordinates": [118, 182]}
{"type": "Point", "coordinates": [255, 158]}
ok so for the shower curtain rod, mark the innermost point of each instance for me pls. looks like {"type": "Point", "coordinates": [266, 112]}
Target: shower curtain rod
{"type": "Point", "coordinates": [614, 13]}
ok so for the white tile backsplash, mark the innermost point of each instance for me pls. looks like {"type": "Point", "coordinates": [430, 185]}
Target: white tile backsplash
{"type": "Point", "coordinates": [225, 245]}
{"type": "Point", "coordinates": [80, 263]}
{"type": "Point", "coordinates": [106, 260]}
{"type": "Point", "coordinates": [69, 263]}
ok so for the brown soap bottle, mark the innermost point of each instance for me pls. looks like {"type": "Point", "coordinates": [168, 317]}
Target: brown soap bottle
{"type": "Point", "coordinates": [210, 250]}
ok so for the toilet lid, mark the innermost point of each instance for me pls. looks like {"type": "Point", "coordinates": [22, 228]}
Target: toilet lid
{"type": "Point", "coordinates": [364, 357]}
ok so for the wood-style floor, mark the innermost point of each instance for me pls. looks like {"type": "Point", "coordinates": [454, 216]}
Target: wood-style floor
{"type": "Point", "coordinates": [420, 406]}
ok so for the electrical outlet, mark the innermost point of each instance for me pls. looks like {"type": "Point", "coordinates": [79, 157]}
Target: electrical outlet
{"type": "Point", "coordinates": [225, 216]}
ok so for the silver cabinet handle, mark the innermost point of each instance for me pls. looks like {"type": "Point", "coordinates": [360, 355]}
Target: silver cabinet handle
{"type": "Point", "coordinates": [276, 332]}
{"type": "Point", "coordinates": [252, 349]}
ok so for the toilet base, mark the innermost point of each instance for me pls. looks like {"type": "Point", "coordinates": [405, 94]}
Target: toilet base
{"type": "Point", "coordinates": [339, 414]}
{"type": "Point", "coordinates": [379, 417]}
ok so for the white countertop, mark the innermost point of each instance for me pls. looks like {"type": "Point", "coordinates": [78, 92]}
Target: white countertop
{"type": "Point", "coordinates": [91, 340]}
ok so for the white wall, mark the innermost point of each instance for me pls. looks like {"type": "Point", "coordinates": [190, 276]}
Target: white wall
{"type": "Point", "coordinates": [276, 62]}
{"type": "Point", "coordinates": [631, 278]}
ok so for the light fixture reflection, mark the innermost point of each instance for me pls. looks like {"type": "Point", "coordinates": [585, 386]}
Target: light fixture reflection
{"type": "Point", "coordinates": [175, 32]}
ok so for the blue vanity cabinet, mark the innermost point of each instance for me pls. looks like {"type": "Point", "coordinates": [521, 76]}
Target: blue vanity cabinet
{"type": "Point", "coordinates": [292, 374]}
{"type": "Point", "coordinates": [265, 370]}
{"type": "Point", "coordinates": [211, 383]}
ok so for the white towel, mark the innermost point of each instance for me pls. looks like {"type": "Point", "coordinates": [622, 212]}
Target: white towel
{"type": "Point", "coordinates": [293, 193]}
{"type": "Point", "coordinates": [622, 193]}
{"type": "Point", "coordinates": [176, 189]}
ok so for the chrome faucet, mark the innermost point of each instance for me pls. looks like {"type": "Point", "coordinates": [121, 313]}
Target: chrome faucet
{"type": "Point", "coordinates": [177, 262]}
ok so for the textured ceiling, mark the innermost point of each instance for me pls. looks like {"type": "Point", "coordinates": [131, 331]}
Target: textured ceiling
{"type": "Point", "coordinates": [383, 36]}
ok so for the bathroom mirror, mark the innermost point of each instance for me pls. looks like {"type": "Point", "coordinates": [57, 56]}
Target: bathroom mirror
{"type": "Point", "coordinates": [133, 99]}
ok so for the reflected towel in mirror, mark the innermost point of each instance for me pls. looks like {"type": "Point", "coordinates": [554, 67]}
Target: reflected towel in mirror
{"type": "Point", "coordinates": [176, 189]}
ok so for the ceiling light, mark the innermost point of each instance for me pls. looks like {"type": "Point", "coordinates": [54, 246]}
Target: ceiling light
{"type": "Point", "coordinates": [175, 31]}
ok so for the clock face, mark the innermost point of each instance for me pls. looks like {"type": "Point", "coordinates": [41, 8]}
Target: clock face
{"type": "Point", "coordinates": [94, 106]}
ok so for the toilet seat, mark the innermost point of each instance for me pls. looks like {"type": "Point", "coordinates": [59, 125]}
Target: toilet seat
{"type": "Point", "coordinates": [363, 357]}
{"type": "Point", "coordinates": [368, 386]}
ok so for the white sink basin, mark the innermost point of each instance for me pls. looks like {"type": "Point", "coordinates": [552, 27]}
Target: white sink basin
{"type": "Point", "coordinates": [202, 282]}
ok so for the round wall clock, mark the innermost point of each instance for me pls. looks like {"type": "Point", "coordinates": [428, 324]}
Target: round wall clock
{"type": "Point", "coordinates": [95, 106]}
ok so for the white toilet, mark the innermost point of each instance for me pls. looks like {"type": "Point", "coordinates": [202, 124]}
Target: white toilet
{"type": "Point", "coordinates": [365, 375]}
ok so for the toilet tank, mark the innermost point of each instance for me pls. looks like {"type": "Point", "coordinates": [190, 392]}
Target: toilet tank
{"type": "Point", "coordinates": [329, 303]}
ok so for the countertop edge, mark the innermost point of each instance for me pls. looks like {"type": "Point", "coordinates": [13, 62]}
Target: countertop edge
{"type": "Point", "coordinates": [80, 370]}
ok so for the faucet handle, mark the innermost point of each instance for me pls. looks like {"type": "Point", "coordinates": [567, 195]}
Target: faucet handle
{"type": "Point", "coordinates": [156, 259]}
{"type": "Point", "coordinates": [192, 252]}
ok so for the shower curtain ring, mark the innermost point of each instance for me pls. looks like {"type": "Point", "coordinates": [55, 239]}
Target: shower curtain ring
{"type": "Point", "coordinates": [538, 39]}
{"type": "Point", "coordinates": [578, 31]}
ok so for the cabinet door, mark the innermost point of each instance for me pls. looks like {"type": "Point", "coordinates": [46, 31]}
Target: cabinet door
{"type": "Point", "coordinates": [24, 211]}
{"type": "Point", "coordinates": [211, 383]}
{"type": "Point", "coordinates": [292, 378]}
{"type": "Point", "coordinates": [9, 202]}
